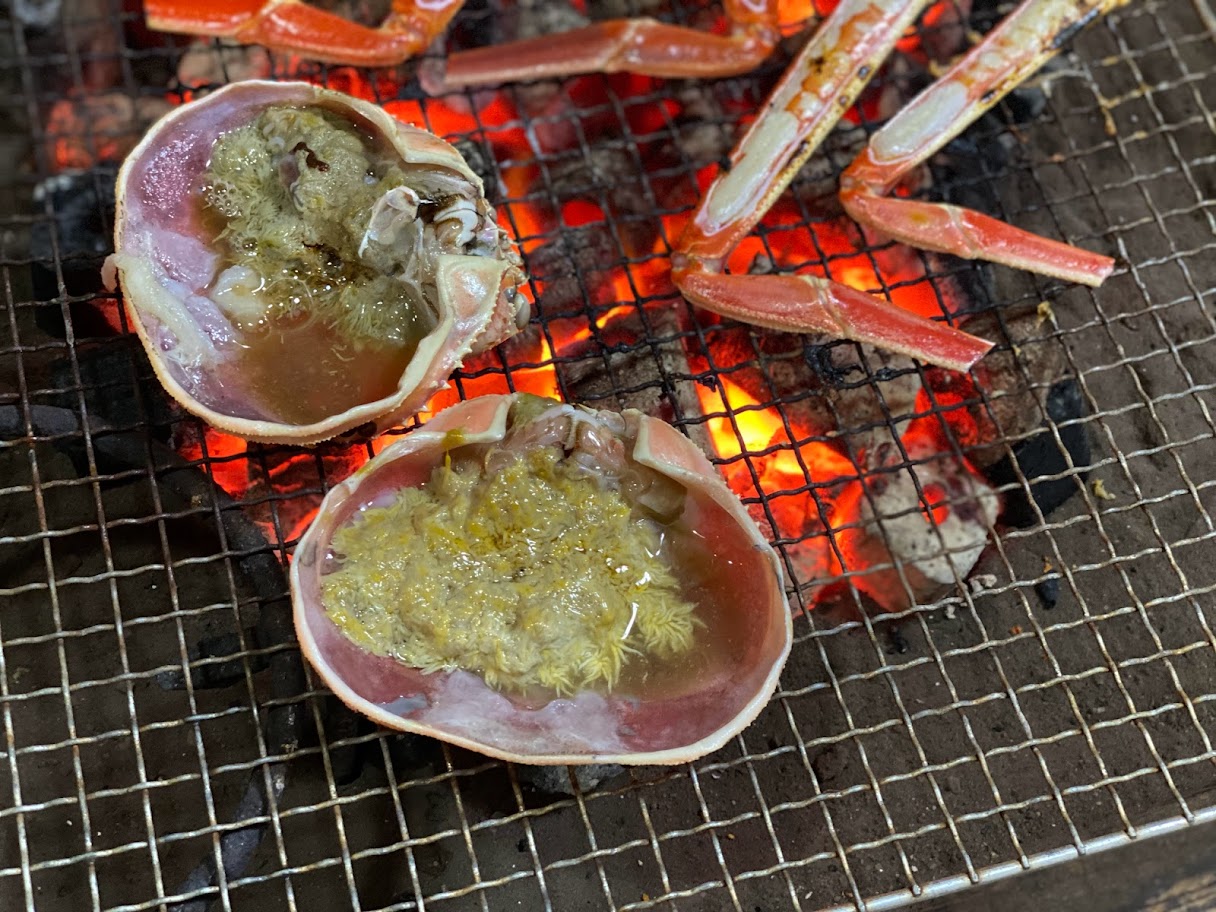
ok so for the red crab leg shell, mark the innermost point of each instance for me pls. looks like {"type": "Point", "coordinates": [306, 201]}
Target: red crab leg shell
{"type": "Point", "coordinates": [825, 79]}
{"type": "Point", "coordinates": [811, 304]}
{"type": "Point", "coordinates": [645, 46]}
{"type": "Point", "coordinates": [1009, 54]}
{"type": "Point", "coordinates": [289, 25]}
{"type": "Point", "coordinates": [806, 104]}
{"type": "Point", "coordinates": [973, 235]}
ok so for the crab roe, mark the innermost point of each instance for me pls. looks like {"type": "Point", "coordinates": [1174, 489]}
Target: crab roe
{"type": "Point", "coordinates": [524, 562]}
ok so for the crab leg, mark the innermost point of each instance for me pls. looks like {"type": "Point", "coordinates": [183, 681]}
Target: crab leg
{"type": "Point", "coordinates": [290, 25]}
{"type": "Point", "coordinates": [826, 78]}
{"type": "Point", "coordinates": [643, 46]}
{"type": "Point", "coordinates": [1010, 53]}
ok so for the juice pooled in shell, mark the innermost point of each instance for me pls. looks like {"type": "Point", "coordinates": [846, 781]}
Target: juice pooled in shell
{"type": "Point", "coordinates": [327, 312]}
{"type": "Point", "coordinates": [547, 563]}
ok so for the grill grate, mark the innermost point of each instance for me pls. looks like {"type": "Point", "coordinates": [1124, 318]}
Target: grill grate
{"type": "Point", "coordinates": [166, 750]}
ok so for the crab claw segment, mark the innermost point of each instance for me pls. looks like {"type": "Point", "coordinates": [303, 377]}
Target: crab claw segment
{"type": "Point", "coordinates": [643, 46]}
{"type": "Point", "coordinates": [812, 304]}
{"type": "Point", "coordinates": [1007, 56]}
{"type": "Point", "coordinates": [974, 236]}
{"type": "Point", "coordinates": [289, 25]}
{"type": "Point", "coordinates": [827, 76]}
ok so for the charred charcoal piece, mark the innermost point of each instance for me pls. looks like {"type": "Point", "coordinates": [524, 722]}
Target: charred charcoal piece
{"type": "Point", "coordinates": [205, 673]}
{"type": "Point", "coordinates": [253, 558]}
{"type": "Point", "coordinates": [369, 13]}
{"type": "Point", "coordinates": [482, 164]}
{"type": "Point", "coordinates": [616, 370]}
{"type": "Point", "coordinates": [411, 752]}
{"type": "Point", "coordinates": [1025, 103]}
{"type": "Point", "coordinates": [1025, 362]}
{"type": "Point", "coordinates": [573, 267]}
{"type": "Point", "coordinates": [967, 171]}
{"type": "Point", "coordinates": [1041, 455]}
{"type": "Point", "coordinates": [555, 780]}
{"type": "Point", "coordinates": [79, 236]}
{"type": "Point", "coordinates": [117, 385]}
{"type": "Point", "coordinates": [610, 174]}
{"type": "Point", "coordinates": [340, 724]}
{"type": "Point", "coordinates": [1048, 590]}
{"type": "Point", "coordinates": [534, 18]}
{"type": "Point", "coordinates": [897, 643]}
{"type": "Point", "coordinates": [623, 9]}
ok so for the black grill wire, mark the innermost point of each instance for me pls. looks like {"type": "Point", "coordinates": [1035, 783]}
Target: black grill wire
{"type": "Point", "coordinates": [164, 747]}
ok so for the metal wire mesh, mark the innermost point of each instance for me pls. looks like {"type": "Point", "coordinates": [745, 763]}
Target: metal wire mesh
{"type": "Point", "coordinates": [165, 750]}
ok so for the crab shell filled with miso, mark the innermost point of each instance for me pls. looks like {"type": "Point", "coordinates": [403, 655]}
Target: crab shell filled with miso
{"type": "Point", "coordinates": [299, 264]}
{"type": "Point", "coordinates": [547, 584]}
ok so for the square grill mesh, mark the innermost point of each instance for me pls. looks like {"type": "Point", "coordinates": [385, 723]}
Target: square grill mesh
{"type": "Point", "coordinates": [165, 749]}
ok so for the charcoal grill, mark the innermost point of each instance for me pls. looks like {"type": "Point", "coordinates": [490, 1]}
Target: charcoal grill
{"type": "Point", "coordinates": [165, 748]}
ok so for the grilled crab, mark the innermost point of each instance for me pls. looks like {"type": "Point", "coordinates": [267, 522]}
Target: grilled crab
{"type": "Point", "coordinates": [299, 264]}
{"type": "Point", "coordinates": [703, 684]}
{"type": "Point", "coordinates": [821, 83]}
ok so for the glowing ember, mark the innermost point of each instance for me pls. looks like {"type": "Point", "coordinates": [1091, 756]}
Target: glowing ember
{"type": "Point", "coordinates": [85, 131]}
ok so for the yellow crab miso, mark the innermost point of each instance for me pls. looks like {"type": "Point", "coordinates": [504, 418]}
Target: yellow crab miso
{"type": "Point", "coordinates": [327, 309]}
{"type": "Point", "coordinates": [534, 575]}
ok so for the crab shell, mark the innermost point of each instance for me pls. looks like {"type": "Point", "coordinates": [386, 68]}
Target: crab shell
{"type": "Point", "coordinates": [589, 727]}
{"type": "Point", "coordinates": [163, 260]}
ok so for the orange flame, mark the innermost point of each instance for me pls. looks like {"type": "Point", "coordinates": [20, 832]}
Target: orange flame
{"type": "Point", "coordinates": [755, 429]}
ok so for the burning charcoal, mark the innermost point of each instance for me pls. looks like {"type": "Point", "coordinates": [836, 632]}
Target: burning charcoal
{"type": "Point", "coordinates": [285, 484]}
{"type": "Point", "coordinates": [705, 135]}
{"type": "Point", "coordinates": [847, 396]}
{"type": "Point", "coordinates": [818, 182]}
{"type": "Point", "coordinates": [514, 22]}
{"type": "Point", "coordinates": [943, 30]}
{"type": "Point", "coordinates": [611, 174]}
{"type": "Point", "coordinates": [573, 267]}
{"type": "Point", "coordinates": [619, 371]}
{"type": "Point", "coordinates": [1012, 377]}
{"type": "Point", "coordinates": [95, 129]}
{"type": "Point", "coordinates": [884, 391]}
{"type": "Point", "coordinates": [601, 171]}
{"type": "Point", "coordinates": [932, 517]}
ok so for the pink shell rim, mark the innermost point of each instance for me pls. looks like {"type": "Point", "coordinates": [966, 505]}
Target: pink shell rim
{"type": "Point", "coordinates": [695, 468]}
{"type": "Point", "coordinates": [407, 397]}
